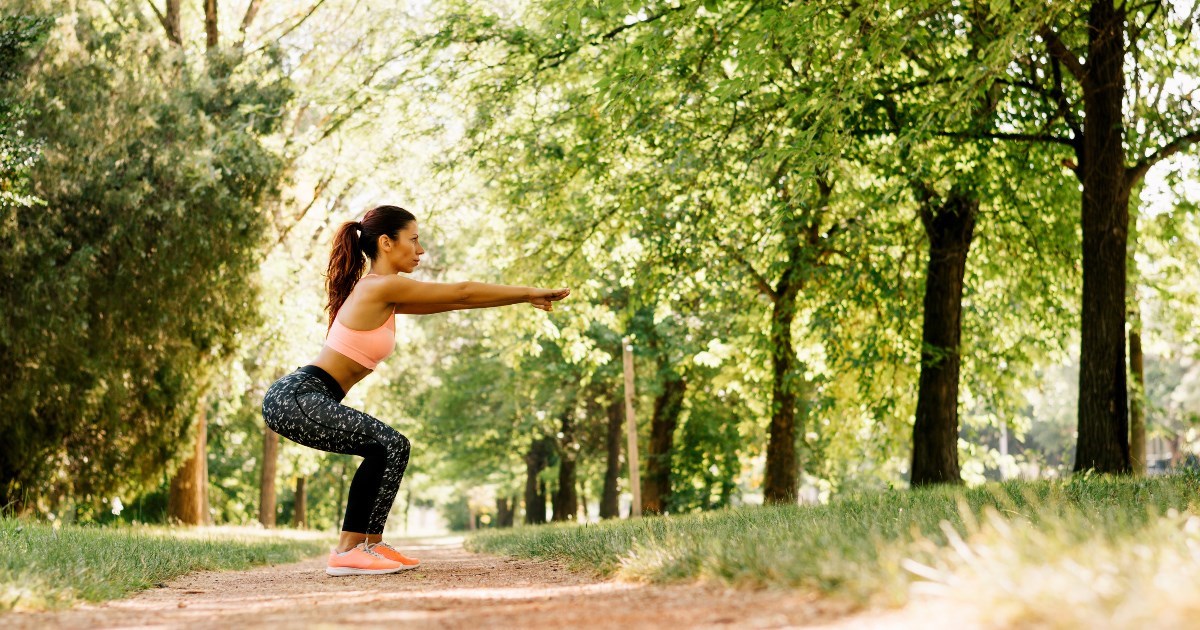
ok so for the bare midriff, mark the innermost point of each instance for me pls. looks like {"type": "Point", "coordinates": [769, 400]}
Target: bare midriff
{"type": "Point", "coordinates": [345, 370]}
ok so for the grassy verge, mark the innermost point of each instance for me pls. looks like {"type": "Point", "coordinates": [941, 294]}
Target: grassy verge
{"type": "Point", "coordinates": [45, 567]}
{"type": "Point", "coordinates": [1113, 548]}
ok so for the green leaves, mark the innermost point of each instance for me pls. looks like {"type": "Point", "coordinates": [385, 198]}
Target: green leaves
{"type": "Point", "coordinates": [132, 282]}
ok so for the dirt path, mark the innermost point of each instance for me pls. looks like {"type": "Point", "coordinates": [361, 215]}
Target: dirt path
{"type": "Point", "coordinates": [453, 589]}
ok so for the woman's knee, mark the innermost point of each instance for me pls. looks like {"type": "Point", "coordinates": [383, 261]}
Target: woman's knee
{"type": "Point", "coordinates": [396, 444]}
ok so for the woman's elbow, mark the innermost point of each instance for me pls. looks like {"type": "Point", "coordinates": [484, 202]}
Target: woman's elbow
{"type": "Point", "coordinates": [464, 293]}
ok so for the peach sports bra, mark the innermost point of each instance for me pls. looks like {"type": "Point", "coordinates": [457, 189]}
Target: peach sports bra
{"type": "Point", "coordinates": [365, 347]}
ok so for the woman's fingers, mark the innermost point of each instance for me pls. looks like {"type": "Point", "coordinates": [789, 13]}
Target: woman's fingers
{"type": "Point", "coordinates": [547, 299]}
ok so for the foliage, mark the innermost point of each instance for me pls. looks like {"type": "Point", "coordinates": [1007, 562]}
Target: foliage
{"type": "Point", "coordinates": [135, 278]}
{"type": "Point", "coordinates": [745, 135]}
{"type": "Point", "coordinates": [18, 35]}
{"type": "Point", "coordinates": [672, 162]}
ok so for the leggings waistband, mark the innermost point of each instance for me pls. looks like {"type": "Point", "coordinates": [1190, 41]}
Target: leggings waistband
{"type": "Point", "coordinates": [335, 388]}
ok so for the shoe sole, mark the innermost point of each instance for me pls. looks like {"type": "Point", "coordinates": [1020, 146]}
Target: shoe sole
{"type": "Point", "coordinates": [342, 571]}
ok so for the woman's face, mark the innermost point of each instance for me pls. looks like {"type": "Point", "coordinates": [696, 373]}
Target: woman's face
{"type": "Point", "coordinates": [404, 252]}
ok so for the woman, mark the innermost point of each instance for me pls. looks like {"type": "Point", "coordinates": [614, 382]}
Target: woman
{"type": "Point", "coordinates": [305, 406]}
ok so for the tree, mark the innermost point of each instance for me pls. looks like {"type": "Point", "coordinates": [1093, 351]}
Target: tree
{"type": "Point", "coordinates": [1114, 149]}
{"type": "Point", "coordinates": [145, 235]}
{"type": "Point", "coordinates": [602, 101]}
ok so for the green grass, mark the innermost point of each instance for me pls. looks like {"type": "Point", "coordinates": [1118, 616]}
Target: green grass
{"type": "Point", "coordinates": [956, 542]}
{"type": "Point", "coordinates": [45, 567]}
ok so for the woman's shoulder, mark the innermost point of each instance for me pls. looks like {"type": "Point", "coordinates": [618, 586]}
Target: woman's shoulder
{"type": "Point", "coordinates": [377, 287]}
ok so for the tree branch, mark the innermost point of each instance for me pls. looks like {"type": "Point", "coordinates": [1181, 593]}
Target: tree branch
{"type": "Point", "coordinates": [760, 282]}
{"type": "Point", "coordinates": [1059, 50]}
{"type": "Point", "coordinates": [561, 55]}
{"type": "Point", "coordinates": [170, 21]}
{"type": "Point", "coordinates": [162, 19]}
{"type": "Point", "coordinates": [251, 12]}
{"type": "Point", "coordinates": [300, 21]}
{"type": "Point", "coordinates": [577, 243]}
{"type": "Point", "coordinates": [1060, 98]}
{"type": "Point", "coordinates": [1136, 30]}
{"type": "Point", "coordinates": [1134, 174]}
{"type": "Point", "coordinates": [986, 135]}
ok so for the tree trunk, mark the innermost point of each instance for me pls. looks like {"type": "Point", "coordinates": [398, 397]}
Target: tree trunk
{"type": "Point", "coordinates": [300, 516]}
{"type": "Point", "coordinates": [187, 502]}
{"type": "Point", "coordinates": [211, 33]}
{"type": "Point", "coordinates": [1137, 414]}
{"type": "Point", "coordinates": [656, 489]}
{"type": "Point", "coordinates": [266, 496]}
{"type": "Point", "coordinates": [609, 507]}
{"type": "Point", "coordinates": [171, 23]}
{"type": "Point", "coordinates": [535, 494]}
{"type": "Point", "coordinates": [504, 511]}
{"type": "Point", "coordinates": [1137, 370]}
{"type": "Point", "coordinates": [950, 228]}
{"type": "Point", "coordinates": [566, 503]}
{"type": "Point", "coordinates": [780, 483]}
{"type": "Point", "coordinates": [1103, 443]}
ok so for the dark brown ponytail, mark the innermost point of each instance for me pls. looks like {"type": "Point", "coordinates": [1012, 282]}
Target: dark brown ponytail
{"type": "Point", "coordinates": [355, 243]}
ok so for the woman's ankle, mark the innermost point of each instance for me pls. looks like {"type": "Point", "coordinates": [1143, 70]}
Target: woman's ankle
{"type": "Point", "coordinates": [349, 540]}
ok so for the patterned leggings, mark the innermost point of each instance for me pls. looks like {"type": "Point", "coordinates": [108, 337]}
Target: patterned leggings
{"type": "Point", "coordinates": [305, 407]}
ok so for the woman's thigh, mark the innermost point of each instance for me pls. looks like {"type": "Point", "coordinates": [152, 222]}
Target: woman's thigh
{"type": "Point", "coordinates": [315, 420]}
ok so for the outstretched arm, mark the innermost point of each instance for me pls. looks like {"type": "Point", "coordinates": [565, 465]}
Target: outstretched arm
{"type": "Point", "coordinates": [430, 309]}
{"type": "Point", "coordinates": [421, 298]}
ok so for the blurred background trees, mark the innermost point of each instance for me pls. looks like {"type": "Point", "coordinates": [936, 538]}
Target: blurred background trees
{"type": "Point", "coordinates": [852, 248]}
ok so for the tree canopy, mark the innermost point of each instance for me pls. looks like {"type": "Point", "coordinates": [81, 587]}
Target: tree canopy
{"type": "Point", "coordinates": [852, 245]}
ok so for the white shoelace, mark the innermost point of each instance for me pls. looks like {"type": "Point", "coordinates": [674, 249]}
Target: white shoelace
{"type": "Point", "coordinates": [383, 544]}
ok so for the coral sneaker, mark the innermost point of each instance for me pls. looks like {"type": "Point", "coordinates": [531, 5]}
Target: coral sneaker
{"type": "Point", "coordinates": [393, 554]}
{"type": "Point", "coordinates": [360, 561]}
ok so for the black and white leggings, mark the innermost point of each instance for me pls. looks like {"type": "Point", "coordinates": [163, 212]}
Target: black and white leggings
{"type": "Point", "coordinates": [305, 407]}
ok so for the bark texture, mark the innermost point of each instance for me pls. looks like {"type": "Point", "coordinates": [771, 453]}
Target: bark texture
{"type": "Point", "coordinates": [781, 478]}
{"type": "Point", "coordinates": [188, 499]}
{"type": "Point", "coordinates": [950, 227]}
{"type": "Point", "coordinates": [1103, 443]}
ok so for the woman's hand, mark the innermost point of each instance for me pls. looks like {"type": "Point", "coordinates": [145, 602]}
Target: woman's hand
{"type": "Point", "coordinates": [545, 298]}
